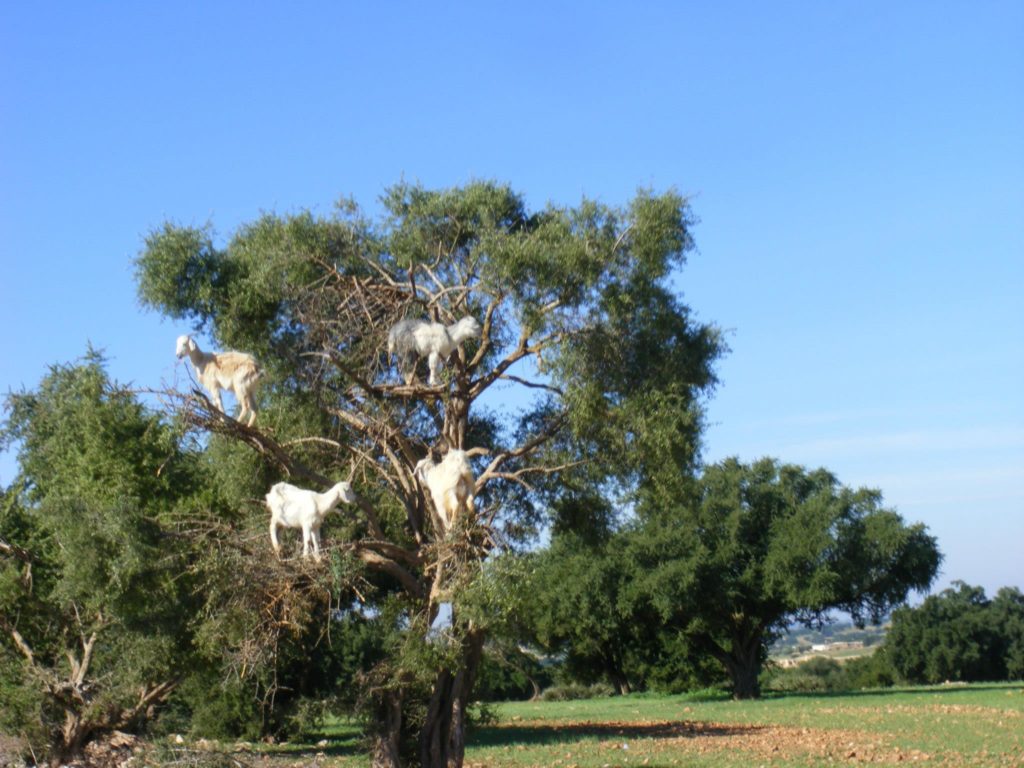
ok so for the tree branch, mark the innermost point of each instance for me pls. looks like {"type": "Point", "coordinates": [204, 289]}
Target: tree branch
{"type": "Point", "coordinates": [386, 565]}
{"type": "Point", "coordinates": [19, 642]}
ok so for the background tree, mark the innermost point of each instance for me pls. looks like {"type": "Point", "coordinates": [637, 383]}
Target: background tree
{"type": "Point", "coordinates": [579, 330]}
{"type": "Point", "coordinates": [1008, 617]}
{"type": "Point", "coordinates": [959, 634]}
{"type": "Point", "coordinates": [94, 613]}
{"type": "Point", "coordinates": [578, 612]}
{"type": "Point", "coordinates": [723, 568]}
{"type": "Point", "coordinates": [599, 603]}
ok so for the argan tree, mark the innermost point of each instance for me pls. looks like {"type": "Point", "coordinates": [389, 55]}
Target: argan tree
{"type": "Point", "coordinates": [765, 545]}
{"type": "Point", "coordinates": [959, 634]}
{"type": "Point", "coordinates": [588, 374]}
{"type": "Point", "coordinates": [96, 605]}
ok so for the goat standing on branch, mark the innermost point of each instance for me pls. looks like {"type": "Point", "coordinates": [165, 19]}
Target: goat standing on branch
{"type": "Point", "coordinates": [451, 485]}
{"type": "Point", "coordinates": [293, 507]}
{"type": "Point", "coordinates": [236, 372]}
{"type": "Point", "coordinates": [412, 339]}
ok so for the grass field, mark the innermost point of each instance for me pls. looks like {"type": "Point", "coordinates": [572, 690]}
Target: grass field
{"type": "Point", "coordinates": [979, 725]}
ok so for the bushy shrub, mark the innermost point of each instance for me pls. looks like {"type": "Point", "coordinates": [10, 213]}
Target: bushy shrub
{"type": "Point", "coordinates": [872, 671]}
{"type": "Point", "coordinates": [575, 691]}
{"type": "Point", "coordinates": [816, 675]}
{"type": "Point", "coordinates": [821, 674]}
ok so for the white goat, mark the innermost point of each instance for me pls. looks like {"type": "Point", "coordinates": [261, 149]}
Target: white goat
{"type": "Point", "coordinates": [293, 507]}
{"type": "Point", "coordinates": [412, 338]}
{"type": "Point", "coordinates": [451, 485]}
{"type": "Point", "coordinates": [236, 372]}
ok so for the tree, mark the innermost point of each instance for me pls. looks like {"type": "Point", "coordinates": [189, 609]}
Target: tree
{"type": "Point", "coordinates": [959, 635]}
{"type": "Point", "coordinates": [1007, 612]}
{"type": "Point", "coordinates": [578, 326]}
{"type": "Point", "coordinates": [94, 616]}
{"type": "Point", "coordinates": [577, 610]}
{"type": "Point", "coordinates": [767, 544]}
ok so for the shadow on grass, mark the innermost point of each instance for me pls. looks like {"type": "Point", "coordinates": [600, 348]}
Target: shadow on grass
{"type": "Point", "coordinates": [559, 733]}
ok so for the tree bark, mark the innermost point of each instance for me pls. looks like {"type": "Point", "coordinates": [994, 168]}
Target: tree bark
{"type": "Point", "coordinates": [387, 741]}
{"type": "Point", "coordinates": [621, 683]}
{"type": "Point", "coordinates": [744, 667]}
{"type": "Point", "coordinates": [443, 738]}
{"type": "Point", "coordinates": [72, 739]}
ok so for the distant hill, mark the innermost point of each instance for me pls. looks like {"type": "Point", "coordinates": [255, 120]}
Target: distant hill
{"type": "Point", "coordinates": [840, 640]}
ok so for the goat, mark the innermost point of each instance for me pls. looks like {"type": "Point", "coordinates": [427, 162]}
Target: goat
{"type": "Point", "coordinates": [419, 338]}
{"type": "Point", "coordinates": [293, 507]}
{"type": "Point", "coordinates": [236, 372]}
{"type": "Point", "coordinates": [451, 485]}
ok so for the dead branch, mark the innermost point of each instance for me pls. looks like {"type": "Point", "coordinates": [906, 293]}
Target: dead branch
{"type": "Point", "coordinates": [531, 384]}
{"type": "Point", "coordinates": [19, 642]}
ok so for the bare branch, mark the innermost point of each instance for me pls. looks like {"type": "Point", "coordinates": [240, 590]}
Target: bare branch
{"type": "Point", "coordinates": [19, 642]}
{"type": "Point", "coordinates": [531, 384]}
{"type": "Point", "coordinates": [485, 334]}
{"type": "Point", "coordinates": [528, 447]}
{"type": "Point", "coordinates": [622, 236]}
{"type": "Point", "coordinates": [386, 565]}
{"type": "Point", "coordinates": [13, 550]}
{"type": "Point", "coordinates": [321, 440]}
{"type": "Point", "coordinates": [517, 476]}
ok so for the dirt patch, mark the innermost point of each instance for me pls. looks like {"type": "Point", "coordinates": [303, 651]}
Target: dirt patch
{"type": "Point", "coordinates": [762, 743]}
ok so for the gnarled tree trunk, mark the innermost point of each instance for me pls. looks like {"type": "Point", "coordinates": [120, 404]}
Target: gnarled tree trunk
{"type": "Point", "coordinates": [443, 737]}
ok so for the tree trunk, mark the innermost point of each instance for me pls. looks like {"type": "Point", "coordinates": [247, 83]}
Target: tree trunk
{"type": "Point", "coordinates": [744, 667]}
{"type": "Point", "coordinates": [536, 688]}
{"type": "Point", "coordinates": [443, 738]}
{"type": "Point", "coordinates": [621, 683]}
{"type": "Point", "coordinates": [388, 738]}
{"type": "Point", "coordinates": [72, 739]}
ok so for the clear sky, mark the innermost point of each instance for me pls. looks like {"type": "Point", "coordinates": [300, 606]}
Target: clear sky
{"type": "Point", "coordinates": [857, 169]}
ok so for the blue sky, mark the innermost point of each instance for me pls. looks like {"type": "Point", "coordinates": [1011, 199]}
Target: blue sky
{"type": "Point", "coordinates": [857, 169]}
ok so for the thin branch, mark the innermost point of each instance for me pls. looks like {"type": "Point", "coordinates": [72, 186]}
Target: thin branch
{"type": "Point", "coordinates": [15, 551]}
{"type": "Point", "coordinates": [528, 447]}
{"type": "Point", "coordinates": [303, 440]}
{"type": "Point", "coordinates": [517, 476]}
{"type": "Point", "coordinates": [531, 384]}
{"type": "Point", "coordinates": [485, 334]}
{"type": "Point", "coordinates": [622, 236]}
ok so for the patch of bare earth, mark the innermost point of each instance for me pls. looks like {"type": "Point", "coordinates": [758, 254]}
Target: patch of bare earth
{"type": "Point", "coordinates": [763, 744]}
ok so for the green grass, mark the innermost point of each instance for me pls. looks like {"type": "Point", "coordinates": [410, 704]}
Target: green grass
{"type": "Point", "coordinates": [968, 725]}
{"type": "Point", "coordinates": [977, 725]}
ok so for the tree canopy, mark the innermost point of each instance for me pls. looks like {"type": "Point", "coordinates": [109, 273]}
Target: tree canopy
{"type": "Point", "coordinates": [132, 534]}
{"type": "Point", "coordinates": [94, 611]}
{"type": "Point", "coordinates": [587, 381]}
{"type": "Point", "coordinates": [959, 635]}
{"type": "Point", "coordinates": [720, 573]}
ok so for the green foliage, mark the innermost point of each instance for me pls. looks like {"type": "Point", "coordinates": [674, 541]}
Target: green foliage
{"type": "Point", "coordinates": [959, 635]}
{"type": "Point", "coordinates": [774, 544]}
{"type": "Point", "coordinates": [576, 610]}
{"type": "Point", "coordinates": [576, 692]}
{"type": "Point", "coordinates": [507, 673]}
{"type": "Point", "coordinates": [820, 674]}
{"type": "Point", "coordinates": [873, 671]}
{"type": "Point", "coordinates": [759, 546]}
{"type": "Point", "coordinates": [610, 413]}
{"type": "Point", "coordinates": [94, 608]}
